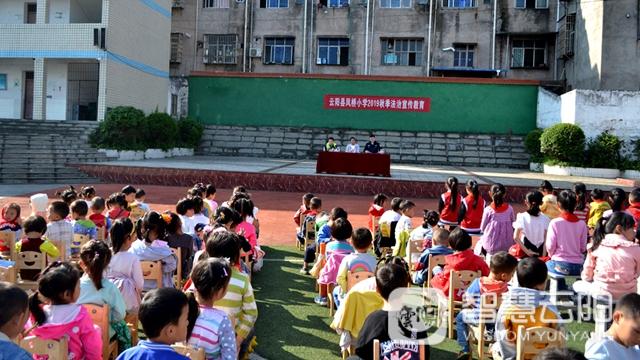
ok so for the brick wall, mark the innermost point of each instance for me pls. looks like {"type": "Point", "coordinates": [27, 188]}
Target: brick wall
{"type": "Point", "coordinates": [406, 147]}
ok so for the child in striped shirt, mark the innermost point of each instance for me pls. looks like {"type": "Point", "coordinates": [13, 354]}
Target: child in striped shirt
{"type": "Point", "coordinates": [239, 302]}
{"type": "Point", "coordinates": [213, 330]}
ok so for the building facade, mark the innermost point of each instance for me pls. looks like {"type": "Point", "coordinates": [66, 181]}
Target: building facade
{"type": "Point", "coordinates": [74, 59]}
{"type": "Point", "coordinates": [599, 44]}
{"type": "Point", "coordinates": [472, 38]}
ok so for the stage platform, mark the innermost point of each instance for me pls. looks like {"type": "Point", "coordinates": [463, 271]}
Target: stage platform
{"type": "Point", "coordinates": [299, 176]}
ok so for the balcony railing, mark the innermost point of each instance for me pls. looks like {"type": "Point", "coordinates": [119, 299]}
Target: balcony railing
{"type": "Point", "coordinates": [48, 40]}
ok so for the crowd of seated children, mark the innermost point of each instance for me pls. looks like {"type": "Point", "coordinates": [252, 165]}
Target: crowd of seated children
{"type": "Point", "coordinates": [385, 237]}
{"type": "Point", "coordinates": [375, 211]}
{"type": "Point", "coordinates": [622, 340]}
{"type": "Point", "coordinates": [14, 303]}
{"type": "Point", "coordinates": [403, 228]}
{"type": "Point", "coordinates": [497, 223]}
{"type": "Point", "coordinates": [10, 220]}
{"type": "Point", "coordinates": [430, 219]}
{"type": "Point", "coordinates": [502, 267]}
{"type": "Point", "coordinates": [582, 205]}
{"type": "Point", "coordinates": [151, 246]}
{"type": "Point", "coordinates": [598, 207]}
{"type": "Point", "coordinates": [612, 264]}
{"type": "Point", "coordinates": [463, 258]}
{"type": "Point", "coordinates": [360, 261]}
{"type": "Point", "coordinates": [440, 247]}
{"type": "Point", "coordinates": [164, 315]}
{"type": "Point", "coordinates": [471, 209]}
{"type": "Point", "coordinates": [530, 228]}
{"type": "Point", "coordinates": [449, 203]}
{"type": "Point", "coordinates": [124, 269]}
{"type": "Point", "coordinates": [566, 239]}
{"type": "Point", "coordinates": [213, 330]}
{"type": "Point", "coordinates": [33, 241]}
{"type": "Point", "coordinates": [62, 316]}
{"type": "Point", "coordinates": [337, 249]}
{"type": "Point", "coordinates": [315, 207]}
{"type": "Point", "coordinates": [528, 298]}
{"type": "Point", "coordinates": [59, 230]}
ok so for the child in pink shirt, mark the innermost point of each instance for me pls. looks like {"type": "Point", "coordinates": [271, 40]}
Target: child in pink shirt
{"type": "Point", "coordinates": [566, 239]}
{"type": "Point", "coordinates": [613, 262]}
{"type": "Point", "coordinates": [60, 285]}
{"type": "Point", "coordinates": [496, 224]}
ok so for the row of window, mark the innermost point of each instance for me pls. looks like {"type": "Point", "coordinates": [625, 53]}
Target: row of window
{"type": "Point", "coordinates": [385, 4]}
{"type": "Point", "coordinates": [223, 49]}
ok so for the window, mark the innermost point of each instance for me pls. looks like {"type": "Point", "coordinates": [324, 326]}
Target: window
{"type": "Point", "coordinates": [174, 105]}
{"type": "Point", "coordinates": [270, 4]}
{"type": "Point", "coordinates": [176, 48]}
{"type": "Point", "coordinates": [395, 4]}
{"type": "Point", "coordinates": [459, 3]}
{"type": "Point", "coordinates": [335, 3]}
{"type": "Point", "coordinates": [3, 81]}
{"type": "Point", "coordinates": [570, 33]}
{"type": "Point", "coordinates": [532, 4]}
{"type": "Point", "coordinates": [215, 4]}
{"type": "Point", "coordinates": [463, 55]}
{"type": "Point", "coordinates": [31, 12]}
{"type": "Point", "coordinates": [528, 54]}
{"type": "Point", "coordinates": [220, 49]}
{"type": "Point", "coordinates": [279, 50]}
{"type": "Point", "coordinates": [333, 51]}
{"type": "Point", "coordinates": [402, 52]}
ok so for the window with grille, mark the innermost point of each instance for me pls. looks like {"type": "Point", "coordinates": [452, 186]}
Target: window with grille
{"type": "Point", "coordinates": [402, 52]}
{"type": "Point", "coordinates": [463, 55]}
{"type": "Point", "coordinates": [333, 51]}
{"type": "Point", "coordinates": [531, 4]}
{"type": "Point", "coordinates": [395, 4]}
{"type": "Point", "coordinates": [529, 54]}
{"type": "Point", "coordinates": [278, 50]}
{"type": "Point", "coordinates": [176, 48]}
{"type": "Point", "coordinates": [271, 4]}
{"type": "Point", "coordinates": [220, 49]}
{"type": "Point", "coordinates": [215, 4]}
{"type": "Point", "coordinates": [570, 33]}
{"type": "Point", "coordinates": [459, 3]}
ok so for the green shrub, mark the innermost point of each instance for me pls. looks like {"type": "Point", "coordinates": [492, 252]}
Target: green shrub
{"type": "Point", "coordinates": [161, 131]}
{"type": "Point", "coordinates": [532, 144]}
{"type": "Point", "coordinates": [564, 143]}
{"type": "Point", "coordinates": [604, 152]}
{"type": "Point", "coordinates": [189, 133]}
{"type": "Point", "coordinates": [122, 129]}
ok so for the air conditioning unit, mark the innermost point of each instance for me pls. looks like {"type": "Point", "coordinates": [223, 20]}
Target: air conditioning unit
{"type": "Point", "coordinates": [178, 4]}
{"type": "Point", "coordinates": [255, 52]}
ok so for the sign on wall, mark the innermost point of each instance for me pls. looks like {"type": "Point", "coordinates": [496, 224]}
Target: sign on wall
{"type": "Point", "coordinates": [379, 103]}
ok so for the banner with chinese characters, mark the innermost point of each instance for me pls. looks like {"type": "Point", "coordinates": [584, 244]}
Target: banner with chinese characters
{"type": "Point", "coordinates": [380, 103]}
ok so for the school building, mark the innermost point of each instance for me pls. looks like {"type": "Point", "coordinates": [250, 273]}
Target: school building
{"type": "Point", "coordinates": [74, 59]}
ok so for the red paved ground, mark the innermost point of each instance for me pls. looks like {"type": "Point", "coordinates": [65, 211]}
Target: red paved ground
{"type": "Point", "coordinates": [276, 209]}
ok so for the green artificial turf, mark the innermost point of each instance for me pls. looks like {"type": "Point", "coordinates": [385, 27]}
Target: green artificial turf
{"type": "Point", "coordinates": [291, 326]}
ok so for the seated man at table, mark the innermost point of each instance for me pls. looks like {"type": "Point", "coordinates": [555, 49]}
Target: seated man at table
{"type": "Point", "coordinates": [373, 147]}
{"type": "Point", "coordinates": [353, 146]}
{"type": "Point", "coordinates": [331, 145]}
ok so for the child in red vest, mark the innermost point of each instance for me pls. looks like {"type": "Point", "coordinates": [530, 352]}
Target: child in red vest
{"type": "Point", "coordinates": [462, 259]}
{"type": "Point", "coordinates": [449, 204]}
{"type": "Point", "coordinates": [634, 205]}
{"type": "Point", "coordinates": [470, 215]}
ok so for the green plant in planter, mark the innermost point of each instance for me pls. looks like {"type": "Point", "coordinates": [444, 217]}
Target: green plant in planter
{"type": "Point", "coordinates": [189, 133]}
{"type": "Point", "coordinates": [120, 130]}
{"type": "Point", "coordinates": [161, 131]}
{"type": "Point", "coordinates": [563, 143]}
{"type": "Point", "coordinates": [604, 151]}
{"type": "Point", "coordinates": [532, 144]}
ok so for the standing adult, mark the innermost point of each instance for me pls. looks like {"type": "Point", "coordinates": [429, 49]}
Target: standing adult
{"type": "Point", "coordinates": [373, 147]}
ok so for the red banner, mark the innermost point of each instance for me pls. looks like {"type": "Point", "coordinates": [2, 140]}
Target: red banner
{"type": "Point", "coordinates": [379, 103]}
